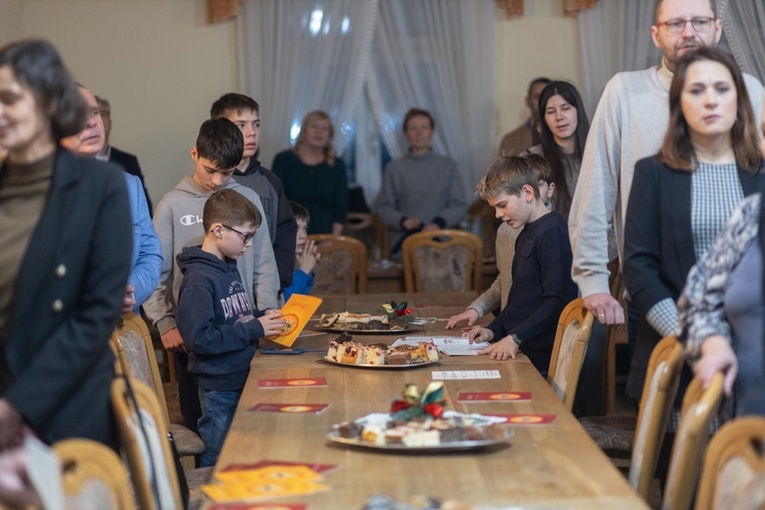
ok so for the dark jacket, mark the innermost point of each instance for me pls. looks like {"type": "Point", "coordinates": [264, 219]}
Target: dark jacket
{"type": "Point", "coordinates": [658, 247]}
{"type": "Point", "coordinates": [68, 299]}
{"type": "Point", "coordinates": [129, 163]}
{"type": "Point", "coordinates": [216, 320]}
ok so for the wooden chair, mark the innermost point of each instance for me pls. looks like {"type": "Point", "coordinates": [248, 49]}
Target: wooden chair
{"type": "Point", "coordinates": [442, 260]}
{"type": "Point", "coordinates": [571, 338]}
{"type": "Point", "coordinates": [734, 468]}
{"type": "Point", "coordinates": [135, 352]}
{"type": "Point", "coordinates": [93, 476]}
{"type": "Point", "coordinates": [641, 438]}
{"type": "Point", "coordinates": [147, 449]}
{"type": "Point", "coordinates": [367, 228]}
{"type": "Point", "coordinates": [699, 408]}
{"type": "Point", "coordinates": [343, 265]}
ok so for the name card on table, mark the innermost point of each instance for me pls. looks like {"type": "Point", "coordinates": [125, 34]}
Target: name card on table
{"type": "Point", "coordinates": [495, 396]}
{"type": "Point", "coordinates": [312, 382]}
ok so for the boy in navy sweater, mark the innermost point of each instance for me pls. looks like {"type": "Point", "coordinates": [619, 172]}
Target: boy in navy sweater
{"type": "Point", "coordinates": [215, 318]}
{"type": "Point", "coordinates": [542, 285]}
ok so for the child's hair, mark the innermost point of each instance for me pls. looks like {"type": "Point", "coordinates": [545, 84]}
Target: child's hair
{"type": "Point", "coordinates": [229, 207]}
{"type": "Point", "coordinates": [221, 142]}
{"type": "Point", "coordinates": [233, 102]}
{"type": "Point", "coordinates": [509, 174]}
{"type": "Point", "coordinates": [300, 212]}
{"type": "Point", "coordinates": [542, 167]}
{"type": "Point", "coordinates": [417, 112]}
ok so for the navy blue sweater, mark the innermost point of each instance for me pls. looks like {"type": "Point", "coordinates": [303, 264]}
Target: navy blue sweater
{"type": "Point", "coordinates": [216, 320]}
{"type": "Point", "coordinates": [542, 287]}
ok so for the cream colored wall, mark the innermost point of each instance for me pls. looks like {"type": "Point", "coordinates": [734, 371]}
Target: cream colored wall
{"type": "Point", "coordinates": [161, 65]}
{"type": "Point", "coordinates": [158, 62]}
{"type": "Point", "coordinates": [543, 42]}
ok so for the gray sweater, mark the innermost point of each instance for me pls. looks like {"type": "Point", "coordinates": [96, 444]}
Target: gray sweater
{"type": "Point", "coordinates": [178, 222]}
{"type": "Point", "coordinates": [629, 124]}
{"type": "Point", "coordinates": [496, 295]}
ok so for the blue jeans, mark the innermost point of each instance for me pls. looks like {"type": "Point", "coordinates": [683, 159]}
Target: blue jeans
{"type": "Point", "coordinates": [217, 412]}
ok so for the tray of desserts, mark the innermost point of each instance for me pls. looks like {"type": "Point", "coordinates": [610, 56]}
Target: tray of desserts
{"type": "Point", "coordinates": [344, 351]}
{"type": "Point", "coordinates": [364, 323]}
{"type": "Point", "coordinates": [450, 432]}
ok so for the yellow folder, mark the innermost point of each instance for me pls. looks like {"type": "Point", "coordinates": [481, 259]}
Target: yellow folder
{"type": "Point", "coordinates": [298, 310]}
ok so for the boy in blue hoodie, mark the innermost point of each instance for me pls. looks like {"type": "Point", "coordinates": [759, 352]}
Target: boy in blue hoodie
{"type": "Point", "coordinates": [215, 318]}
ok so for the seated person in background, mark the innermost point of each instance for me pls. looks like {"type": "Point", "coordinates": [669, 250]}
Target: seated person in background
{"type": "Point", "coordinates": [244, 112]}
{"type": "Point", "coordinates": [422, 190]}
{"type": "Point", "coordinates": [306, 254]}
{"type": "Point", "coordinates": [127, 161]}
{"type": "Point", "coordinates": [495, 297]}
{"type": "Point", "coordinates": [215, 317]}
{"type": "Point", "coordinates": [542, 285]}
{"type": "Point", "coordinates": [146, 260]}
{"type": "Point", "coordinates": [525, 135]}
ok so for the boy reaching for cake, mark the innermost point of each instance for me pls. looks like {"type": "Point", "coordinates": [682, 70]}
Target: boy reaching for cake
{"type": "Point", "coordinates": [215, 318]}
{"type": "Point", "coordinates": [541, 271]}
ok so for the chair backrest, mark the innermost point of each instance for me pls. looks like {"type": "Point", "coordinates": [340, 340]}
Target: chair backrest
{"type": "Point", "coordinates": [699, 408]}
{"type": "Point", "coordinates": [135, 352]}
{"type": "Point", "coordinates": [150, 459]}
{"type": "Point", "coordinates": [659, 390]}
{"type": "Point", "coordinates": [93, 476]}
{"type": "Point", "coordinates": [571, 339]}
{"type": "Point", "coordinates": [343, 265]}
{"type": "Point", "coordinates": [442, 261]}
{"type": "Point", "coordinates": [734, 468]}
{"type": "Point", "coordinates": [368, 228]}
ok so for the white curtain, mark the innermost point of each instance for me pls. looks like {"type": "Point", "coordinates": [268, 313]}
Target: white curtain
{"type": "Point", "coordinates": [366, 62]}
{"type": "Point", "coordinates": [615, 36]}
{"type": "Point", "coordinates": [744, 26]}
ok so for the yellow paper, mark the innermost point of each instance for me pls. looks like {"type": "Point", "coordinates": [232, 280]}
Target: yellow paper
{"type": "Point", "coordinates": [298, 310]}
{"type": "Point", "coordinates": [262, 490]}
{"type": "Point", "coordinates": [269, 474]}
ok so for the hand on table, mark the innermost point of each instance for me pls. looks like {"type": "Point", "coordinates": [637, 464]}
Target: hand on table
{"type": "Point", "coordinates": [470, 315]}
{"type": "Point", "coordinates": [173, 342]}
{"type": "Point", "coordinates": [717, 356]}
{"type": "Point", "coordinates": [505, 348]}
{"type": "Point", "coordinates": [479, 334]}
{"type": "Point", "coordinates": [129, 300]}
{"type": "Point", "coordinates": [605, 308]}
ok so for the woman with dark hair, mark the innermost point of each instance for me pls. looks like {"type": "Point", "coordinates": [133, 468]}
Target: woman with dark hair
{"type": "Point", "coordinates": [564, 129]}
{"type": "Point", "coordinates": [314, 176]}
{"type": "Point", "coordinates": [682, 197]}
{"type": "Point", "coordinates": [66, 236]}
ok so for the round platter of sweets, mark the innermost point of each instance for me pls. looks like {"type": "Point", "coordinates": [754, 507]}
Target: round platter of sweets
{"type": "Point", "coordinates": [344, 351]}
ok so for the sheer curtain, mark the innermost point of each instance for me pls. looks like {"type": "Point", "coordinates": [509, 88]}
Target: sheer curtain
{"type": "Point", "coordinates": [744, 26]}
{"type": "Point", "coordinates": [614, 36]}
{"type": "Point", "coordinates": [366, 62]}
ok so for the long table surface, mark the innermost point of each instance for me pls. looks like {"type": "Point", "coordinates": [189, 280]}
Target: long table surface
{"type": "Point", "coordinates": [554, 466]}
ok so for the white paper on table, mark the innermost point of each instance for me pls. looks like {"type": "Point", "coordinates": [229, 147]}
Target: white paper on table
{"type": "Point", "coordinates": [44, 470]}
{"type": "Point", "coordinates": [449, 345]}
{"type": "Point", "coordinates": [445, 375]}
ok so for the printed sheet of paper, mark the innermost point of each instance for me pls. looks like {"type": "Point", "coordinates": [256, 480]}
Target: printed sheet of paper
{"type": "Point", "coordinates": [495, 396]}
{"type": "Point", "coordinates": [449, 345]}
{"type": "Point", "coordinates": [446, 375]}
{"type": "Point", "coordinates": [306, 382]}
{"type": "Point", "coordinates": [288, 408]}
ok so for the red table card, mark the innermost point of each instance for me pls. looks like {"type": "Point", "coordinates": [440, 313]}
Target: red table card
{"type": "Point", "coordinates": [288, 408]}
{"type": "Point", "coordinates": [525, 420]}
{"type": "Point", "coordinates": [314, 382]}
{"type": "Point", "coordinates": [495, 396]}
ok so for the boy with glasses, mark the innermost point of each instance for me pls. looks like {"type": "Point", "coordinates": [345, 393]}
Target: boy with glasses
{"type": "Point", "coordinates": [178, 222]}
{"type": "Point", "coordinates": [215, 316]}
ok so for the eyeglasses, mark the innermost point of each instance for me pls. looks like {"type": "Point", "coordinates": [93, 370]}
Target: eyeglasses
{"type": "Point", "coordinates": [676, 26]}
{"type": "Point", "coordinates": [246, 238]}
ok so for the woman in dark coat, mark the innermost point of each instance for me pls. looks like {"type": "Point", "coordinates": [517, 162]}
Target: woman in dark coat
{"type": "Point", "coordinates": [65, 229]}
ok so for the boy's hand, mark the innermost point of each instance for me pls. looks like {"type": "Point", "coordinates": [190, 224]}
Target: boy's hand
{"type": "Point", "coordinates": [129, 300]}
{"type": "Point", "coordinates": [505, 348]}
{"type": "Point", "coordinates": [411, 223]}
{"type": "Point", "coordinates": [272, 322]}
{"type": "Point", "coordinates": [173, 342]}
{"type": "Point", "coordinates": [479, 334]}
{"type": "Point", "coordinates": [470, 315]}
{"type": "Point", "coordinates": [307, 259]}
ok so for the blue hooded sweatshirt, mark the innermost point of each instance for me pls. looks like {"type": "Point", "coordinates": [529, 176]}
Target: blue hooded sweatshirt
{"type": "Point", "coordinates": [216, 320]}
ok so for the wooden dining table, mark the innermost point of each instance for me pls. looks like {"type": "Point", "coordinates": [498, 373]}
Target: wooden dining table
{"type": "Point", "coordinates": [555, 466]}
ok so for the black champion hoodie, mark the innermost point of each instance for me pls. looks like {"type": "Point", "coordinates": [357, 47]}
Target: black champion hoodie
{"type": "Point", "coordinates": [216, 320]}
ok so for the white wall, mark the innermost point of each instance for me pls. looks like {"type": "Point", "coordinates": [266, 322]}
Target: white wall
{"type": "Point", "coordinates": [161, 65]}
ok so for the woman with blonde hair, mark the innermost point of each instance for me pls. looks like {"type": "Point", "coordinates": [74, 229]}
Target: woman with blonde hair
{"type": "Point", "coordinates": [314, 176]}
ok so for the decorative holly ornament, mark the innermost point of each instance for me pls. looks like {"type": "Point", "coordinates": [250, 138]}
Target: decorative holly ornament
{"type": "Point", "coordinates": [411, 404]}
